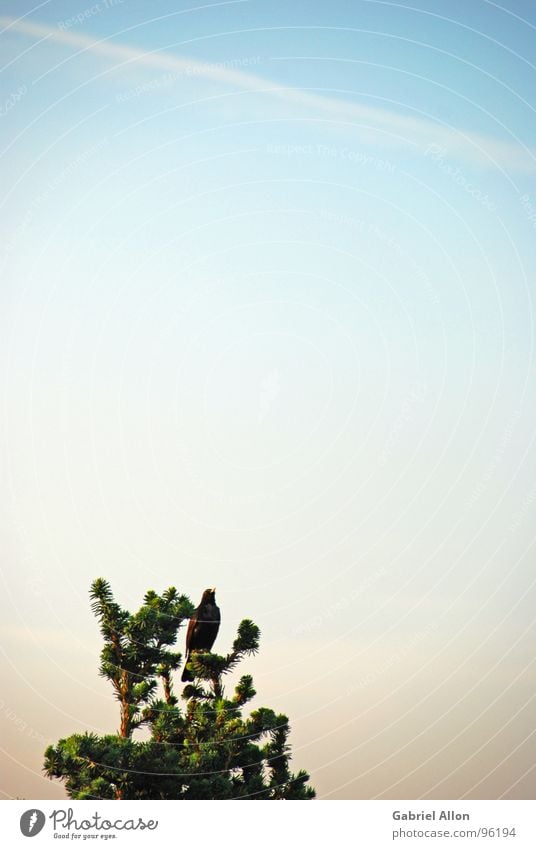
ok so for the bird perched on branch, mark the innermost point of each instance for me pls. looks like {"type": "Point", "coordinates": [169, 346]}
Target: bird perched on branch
{"type": "Point", "coordinates": [202, 630]}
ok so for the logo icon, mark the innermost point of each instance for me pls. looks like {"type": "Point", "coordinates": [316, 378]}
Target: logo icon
{"type": "Point", "coordinates": [31, 822]}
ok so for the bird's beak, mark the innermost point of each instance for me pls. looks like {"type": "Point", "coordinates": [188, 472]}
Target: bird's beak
{"type": "Point", "coordinates": [213, 590]}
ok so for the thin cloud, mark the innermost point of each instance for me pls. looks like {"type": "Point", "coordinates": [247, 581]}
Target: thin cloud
{"type": "Point", "coordinates": [370, 123]}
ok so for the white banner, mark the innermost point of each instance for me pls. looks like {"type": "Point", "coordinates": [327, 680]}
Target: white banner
{"type": "Point", "coordinates": [368, 824]}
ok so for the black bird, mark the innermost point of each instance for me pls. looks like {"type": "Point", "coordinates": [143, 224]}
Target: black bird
{"type": "Point", "coordinates": [202, 629]}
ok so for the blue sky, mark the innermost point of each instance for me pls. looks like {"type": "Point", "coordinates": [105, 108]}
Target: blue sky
{"type": "Point", "coordinates": [267, 324]}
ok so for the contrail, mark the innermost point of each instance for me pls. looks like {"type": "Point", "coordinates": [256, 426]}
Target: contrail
{"type": "Point", "coordinates": [386, 127]}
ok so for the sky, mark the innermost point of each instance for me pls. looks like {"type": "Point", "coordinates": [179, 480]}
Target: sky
{"type": "Point", "coordinates": [267, 324]}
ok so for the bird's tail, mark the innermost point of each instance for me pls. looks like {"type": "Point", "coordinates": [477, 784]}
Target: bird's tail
{"type": "Point", "coordinates": [186, 674]}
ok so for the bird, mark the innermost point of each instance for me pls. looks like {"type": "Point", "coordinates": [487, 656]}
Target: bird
{"type": "Point", "coordinates": [202, 629]}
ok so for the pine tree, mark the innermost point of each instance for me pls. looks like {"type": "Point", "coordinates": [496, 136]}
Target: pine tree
{"type": "Point", "coordinates": [201, 749]}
